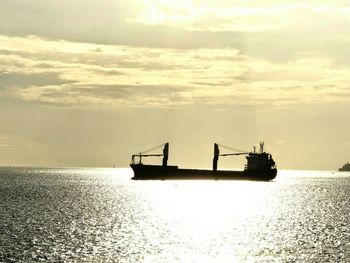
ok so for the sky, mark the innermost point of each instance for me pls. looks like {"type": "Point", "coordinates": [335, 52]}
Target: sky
{"type": "Point", "coordinates": [88, 83]}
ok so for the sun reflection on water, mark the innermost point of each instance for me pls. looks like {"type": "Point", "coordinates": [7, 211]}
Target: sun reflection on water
{"type": "Point", "coordinates": [206, 213]}
{"type": "Point", "coordinates": [100, 215]}
{"type": "Point", "coordinates": [210, 202]}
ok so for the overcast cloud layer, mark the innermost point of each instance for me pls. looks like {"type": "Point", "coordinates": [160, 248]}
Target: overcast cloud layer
{"type": "Point", "coordinates": [265, 56]}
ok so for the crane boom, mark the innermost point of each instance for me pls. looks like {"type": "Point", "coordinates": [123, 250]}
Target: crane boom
{"type": "Point", "coordinates": [217, 154]}
{"type": "Point", "coordinates": [147, 155]}
{"type": "Point", "coordinates": [231, 154]}
{"type": "Point", "coordinates": [165, 154]}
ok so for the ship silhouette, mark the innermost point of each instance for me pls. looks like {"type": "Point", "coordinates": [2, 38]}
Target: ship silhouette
{"type": "Point", "coordinates": [260, 167]}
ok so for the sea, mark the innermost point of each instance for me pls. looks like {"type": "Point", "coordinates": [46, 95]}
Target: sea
{"type": "Point", "coordinates": [101, 215]}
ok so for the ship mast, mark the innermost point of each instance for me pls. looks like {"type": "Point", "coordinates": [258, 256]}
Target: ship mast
{"type": "Point", "coordinates": [217, 154]}
{"type": "Point", "coordinates": [146, 153]}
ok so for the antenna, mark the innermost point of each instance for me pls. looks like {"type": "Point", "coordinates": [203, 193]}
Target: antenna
{"type": "Point", "coordinates": [261, 147]}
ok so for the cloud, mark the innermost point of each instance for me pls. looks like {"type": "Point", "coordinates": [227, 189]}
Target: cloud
{"type": "Point", "coordinates": [277, 30]}
{"type": "Point", "coordinates": [12, 79]}
{"type": "Point", "coordinates": [244, 17]}
{"type": "Point", "coordinates": [67, 74]}
{"type": "Point", "coordinates": [84, 69]}
{"type": "Point", "coordinates": [133, 96]}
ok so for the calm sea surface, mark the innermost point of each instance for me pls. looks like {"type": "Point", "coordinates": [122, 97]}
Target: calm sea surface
{"type": "Point", "coordinates": [100, 215]}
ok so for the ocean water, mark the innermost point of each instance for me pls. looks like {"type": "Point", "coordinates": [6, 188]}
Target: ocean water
{"type": "Point", "coordinates": [100, 215]}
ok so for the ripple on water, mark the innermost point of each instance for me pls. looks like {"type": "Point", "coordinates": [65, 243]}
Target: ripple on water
{"type": "Point", "coordinates": [101, 215]}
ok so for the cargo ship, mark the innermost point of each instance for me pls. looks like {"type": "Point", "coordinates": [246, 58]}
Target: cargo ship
{"type": "Point", "coordinates": [260, 167]}
{"type": "Point", "coordinates": [345, 168]}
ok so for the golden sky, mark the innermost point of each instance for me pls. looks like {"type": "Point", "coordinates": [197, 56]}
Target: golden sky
{"type": "Point", "coordinates": [87, 83]}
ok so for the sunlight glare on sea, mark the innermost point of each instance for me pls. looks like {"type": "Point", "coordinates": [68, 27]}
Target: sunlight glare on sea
{"type": "Point", "coordinates": [101, 215]}
{"type": "Point", "coordinates": [202, 213]}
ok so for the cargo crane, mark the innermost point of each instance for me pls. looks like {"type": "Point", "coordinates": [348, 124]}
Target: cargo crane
{"type": "Point", "coordinates": [217, 154]}
{"type": "Point", "coordinates": [255, 161]}
{"type": "Point", "coordinates": [165, 154]}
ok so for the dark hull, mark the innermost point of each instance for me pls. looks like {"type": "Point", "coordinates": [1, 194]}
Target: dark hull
{"type": "Point", "coordinates": [158, 172]}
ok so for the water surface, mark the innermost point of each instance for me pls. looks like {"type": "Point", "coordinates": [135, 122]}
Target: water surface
{"type": "Point", "coordinates": [100, 215]}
